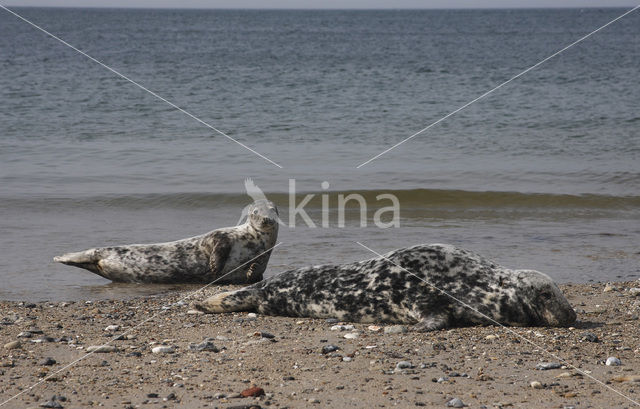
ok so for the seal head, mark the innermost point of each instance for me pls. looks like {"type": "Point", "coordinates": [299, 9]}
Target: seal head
{"type": "Point", "coordinates": [547, 302]}
{"type": "Point", "coordinates": [263, 216]}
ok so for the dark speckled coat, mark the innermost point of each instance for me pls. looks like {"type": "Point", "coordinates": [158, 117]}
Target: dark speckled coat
{"type": "Point", "coordinates": [433, 286]}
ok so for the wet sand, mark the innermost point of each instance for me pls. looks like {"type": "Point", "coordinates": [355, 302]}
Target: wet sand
{"type": "Point", "coordinates": [284, 358]}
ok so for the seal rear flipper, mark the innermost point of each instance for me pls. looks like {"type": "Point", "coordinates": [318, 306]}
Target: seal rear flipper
{"type": "Point", "coordinates": [87, 259]}
{"type": "Point", "coordinates": [244, 299]}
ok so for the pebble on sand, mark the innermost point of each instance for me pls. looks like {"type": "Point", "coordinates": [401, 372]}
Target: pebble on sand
{"type": "Point", "coordinates": [613, 361]}
{"type": "Point", "coordinates": [455, 403]}
{"type": "Point", "coordinates": [13, 345]}
{"type": "Point", "coordinates": [163, 349]}
{"type": "Point", "coordinates": [536, 385]}
{"type": "Point", "coordinates": [548, 365]}
{"type": "Point", "coordinates": [255, 391]}
{"type": "Point", "coordinates": [327, 349]}
{"type": "Point", "coordinates": [204, 346]}
{"type": "Point", "coordinates": [342, 328]}
{"type": "Point", "coordinates": [101, 348]}
{"type": "Point", "coordinates": [404, 365]}
{"type": "Point", "coordinates": [395, 329]}
{"type": "Point", "coordinates": [47, 362]}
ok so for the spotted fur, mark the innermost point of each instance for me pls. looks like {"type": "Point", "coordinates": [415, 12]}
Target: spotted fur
{"type": "Point", "coordinates": [384, 289]}
{"type": "Point", "coordinates": [200, 259]}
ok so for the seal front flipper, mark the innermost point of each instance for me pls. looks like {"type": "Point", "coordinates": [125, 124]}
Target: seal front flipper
{"type": "Point", "coordinates": [244, 299]}
{"type": "Point", "coordinates": [219, 255]}
{"type": "Point", "coordinates": [432, 322]}
{"type": "Point", "coordinates": [256, 269]}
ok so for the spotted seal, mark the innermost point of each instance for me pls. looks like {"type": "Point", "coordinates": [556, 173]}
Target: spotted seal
{"type": "Point", "coordinates": [394, 289]}
{"type": "Point", "coordinates": [199, 259]}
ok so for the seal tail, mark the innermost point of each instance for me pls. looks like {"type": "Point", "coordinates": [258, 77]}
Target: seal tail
{"type": "Point", "coordinates": [244, 299]}
{"type": "Point", "coordinates": [87, 259]}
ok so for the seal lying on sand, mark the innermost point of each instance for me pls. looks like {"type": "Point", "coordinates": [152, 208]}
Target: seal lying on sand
{"type": "Point", "coordinates": [199, 259]}
{"type": "Point", "coordinates": [384, 289]}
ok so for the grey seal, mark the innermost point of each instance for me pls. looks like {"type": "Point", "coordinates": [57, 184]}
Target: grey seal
{"type": "Point", "coordinates": [199, 259]}
{"type": "Point", "coordinates": [393, 289]}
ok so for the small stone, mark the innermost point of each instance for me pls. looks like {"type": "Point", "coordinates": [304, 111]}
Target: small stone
{"type": "Point", "coordinates": [548, 365]}
{"type": "Point", "coordinates": [195, 312]}
{"type": "Point", "coordinates": [342, 328]}
{"type": "Point", "coordinates": [404, 365]}
{"type": "Point", "coordinates": [112, 328]}
{"type": "Point", "coordinates": [439, 346]}
{"type": "Point", "coordinates": [13, 345]}
{"type": "Point", "coordinates": [536, 385]}
{"type": "Point", "coordinates": [102, 349]}
{"type": "Point", "coordinates": [613, 361]}
{"type": "Point", "coordinates": [347, 359]}
{"type": "Point", "coordinates": [634, 292]}
{"type": "Point", "coordinates": [455, 403]}
{"type": "Point", "coordinates": [51, 404]}
{"type": "Point", "coordinates": [152, 395]}
{"type": "Point", "coordinates": [608, 288]}
{"type": "Point", "coordinates": [163, 349]}
{"type": "Point", "coordinates": [47, 362]}
{"type": "Point", "coordinates": [204, 346]}
{"type": "Point", "coordinates": [351, 335]}
{"type": "Point", "coordinates": [327, 349]}
{"type": "Point", "coordinates": [491, 337]}
{"type": "Point", "coordinates": [627, 378]}
{"type": "Point", "coordinates": [263, 334]}
{"type": "Point", "coordinates": [171, 396]}
{"type": "Point", "coordinates": [255, 391]}
{"type": "Point", "coordinates": [590, 336]}
{"type": "Point", "coordinates": [374, 328]}
{"type": "Point", "coordinates": [395, 329]}
{"type": "Point", "coordinates": [43, 340]}
{"type": "Point", "coordinates": [314, 400]}
{"type": "Point", "coordinates": [25, 334]}
{"type": "Point", "coordinates": [252, 315]}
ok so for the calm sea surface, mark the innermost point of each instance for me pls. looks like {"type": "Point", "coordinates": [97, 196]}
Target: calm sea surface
{"type": "Point", "coordinates": [543, 174]}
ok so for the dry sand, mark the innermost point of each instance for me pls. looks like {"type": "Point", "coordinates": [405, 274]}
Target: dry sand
{"type": "Point", "coordinates": [488, 366]}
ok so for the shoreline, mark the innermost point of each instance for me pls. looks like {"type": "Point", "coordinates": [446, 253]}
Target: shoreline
{"type": "Point", "coordinates": [211, 359]}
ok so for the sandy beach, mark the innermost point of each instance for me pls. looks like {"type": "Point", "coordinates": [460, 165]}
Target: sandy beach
{"type": "Point", "coordinates": [182, 359]}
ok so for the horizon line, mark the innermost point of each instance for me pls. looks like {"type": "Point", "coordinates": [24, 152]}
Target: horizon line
{"type": "Point", "coordinates": [319, 9]}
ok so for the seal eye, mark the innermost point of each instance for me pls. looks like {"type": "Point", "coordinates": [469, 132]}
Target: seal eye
{"type": "Point", "coordinates": [255, 211]}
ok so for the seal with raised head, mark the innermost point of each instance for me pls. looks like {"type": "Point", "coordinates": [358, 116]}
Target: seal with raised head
{"type": "Point", "coordinates": [200, 259]}
{"type": "Point", "coordinates": [408, 286]}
